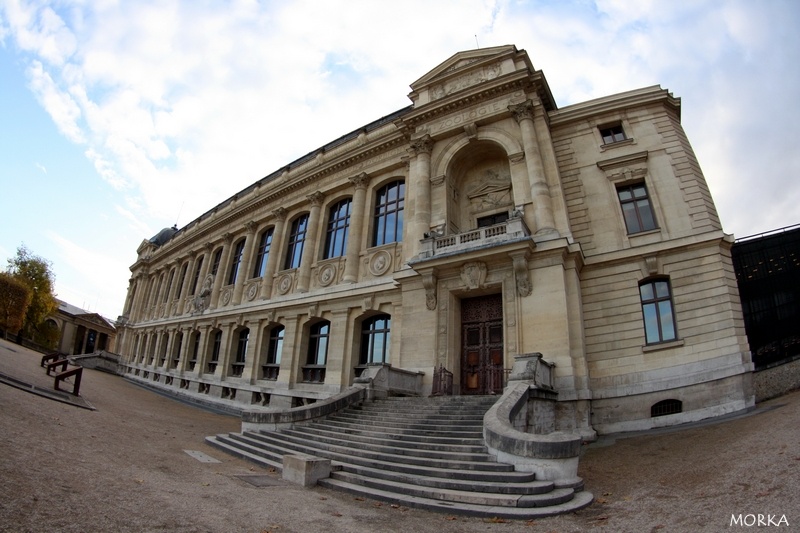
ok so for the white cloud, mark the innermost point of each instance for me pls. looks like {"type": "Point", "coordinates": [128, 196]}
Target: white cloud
{"type": "Point", "coordinates": [181, 104]}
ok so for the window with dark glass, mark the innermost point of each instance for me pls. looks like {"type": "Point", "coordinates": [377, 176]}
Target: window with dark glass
{"type": "Point", "coordinates": [196, 279]}
{"type": "Point", "coordinates": [297, 237]}
{"type": "Point", "coordinates": [169, 284]}
{"type": "Point", "coordinates": [636, 208]}
{"type": "Point", "coordinates": [262, 255]}
{"type": "Point", "coordinates": [216, 345]}
{"type": "Point", "coordinates": [182, 279]}
{"type": "Point", "coordinates": [195, 350]}
{"type": "Point", "coordinates": [318, 343]}
{"type": "Point", "coordinates": [176, 351]}
{"type": "Point", "coordinates": [314, 371]}
{"type": "Point", "coordinates": [216, 261]}
{"type": "Point", "coordinates": [236, 262]}
{"type": "Point", "coordinates": [338, 224]}
{"type": "Point", "coordinates": [274, 348]}
{"type": "Point", "coordinates": [375, 340]}
{"type": "Point", "coordinates": [389, 203]}
{"type": "Point", "coordinates": [657, 311]}
{"type": "Point", "coordinates": [612, 134]}
{"type": "Point", "coordinates": [491, 220]}
{"type": "Point", "coordinates": [237, 367]}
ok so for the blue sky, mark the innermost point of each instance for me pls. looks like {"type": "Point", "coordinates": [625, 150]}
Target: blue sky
{"type": "Point", "coordinates": [112, 111]}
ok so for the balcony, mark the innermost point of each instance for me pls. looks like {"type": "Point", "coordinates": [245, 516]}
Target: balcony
{"type": "Point", "coordinates": [513, 229]}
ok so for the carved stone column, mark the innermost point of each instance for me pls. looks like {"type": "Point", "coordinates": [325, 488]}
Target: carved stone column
{"type": "Point", "coordinates": [274, 252]}
{"type": "Point", "coordinates": [419, 188]}
{"type": "Point", "coordinates": [355, 237]}
{"type": "Point", "coordinates": [540, 192]}
{"type": "Point", "coordinates": [245, 267]}
{"type": "Point", "coordinates": [310, 246]}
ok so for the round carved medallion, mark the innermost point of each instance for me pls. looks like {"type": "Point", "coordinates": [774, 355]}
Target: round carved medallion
{"type": "Point", "coordinates": [326, 275]}
{"type": "Point", "coordinates": [226, 297]}
{"type": "Point", "coordinates": [285, 284]}
{"type": "Point", "coordinates": [380, 263]}
{"type": "Point", "coordinates": [252, 291]}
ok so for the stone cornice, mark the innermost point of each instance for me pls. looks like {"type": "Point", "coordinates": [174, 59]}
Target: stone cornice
{"type": "Point", "coordinates": [639, 97]}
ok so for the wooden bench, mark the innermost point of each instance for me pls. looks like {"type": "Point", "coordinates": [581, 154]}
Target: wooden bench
{"type": "Point", "coordinates": [77, 372]}
{"type": "Point", "coordinates": [55, 364]}
{"type": "Point", "coordinates": [52, 357]}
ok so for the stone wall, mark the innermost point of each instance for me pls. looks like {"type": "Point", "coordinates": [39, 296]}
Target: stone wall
{"type": "Point", "coordinates": [776, 380]}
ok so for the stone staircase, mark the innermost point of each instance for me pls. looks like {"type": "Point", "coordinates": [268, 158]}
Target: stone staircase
{"type": "Point", "coordinates": [425, 453]}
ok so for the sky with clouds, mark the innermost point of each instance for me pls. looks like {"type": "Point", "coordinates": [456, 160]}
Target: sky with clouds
{"type": "Point", "coordinates": [118, 119]}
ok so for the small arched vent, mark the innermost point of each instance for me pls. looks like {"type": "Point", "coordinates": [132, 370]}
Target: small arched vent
{"type": "Point", "coordinates": [666, 407]}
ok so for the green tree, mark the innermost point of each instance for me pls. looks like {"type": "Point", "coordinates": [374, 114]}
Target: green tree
{"type": "Point", "coordinates": [15, 297]}
{"type": "Point", "coordinates": [36, 274]}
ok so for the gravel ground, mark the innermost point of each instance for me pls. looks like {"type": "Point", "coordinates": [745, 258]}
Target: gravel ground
{"type": "Point", "coordinates": [123, 467]}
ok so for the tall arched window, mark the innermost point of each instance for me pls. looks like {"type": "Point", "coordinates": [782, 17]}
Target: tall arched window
{"type": "Point", "coordinates": [389, 203]}
{"type": "Point", "coordinates": [338, 224]}
{"type": "Point", "coordinates": [216, 346]}
{"type": "Point", "coordinates": [176, 349]}
{"type": "Point", "coordinates": [196, 278]}
{"type": "Point", "coordinates": [657, 310]}
{"type": "Point", "coordinates": [375, 340]}
{"type": "Point", "coordinates": [264, 243]}
{"type": "Point", "coordinates": [216, 260]}
{"type": "Point", "coordinates": [182, 279]}
{"type": "Point", "coordinates": [272, 364]}
{"type": "Point", "coordinates": [237, 366]}
{"type": "Point", "coordinates": [236, 262]}
{"type": "Point", "coordinates": [195, 340]}
{"type": "Point", "coordinates": [314, 371]}
{"type": "Point", "coordinates": [297, 237]}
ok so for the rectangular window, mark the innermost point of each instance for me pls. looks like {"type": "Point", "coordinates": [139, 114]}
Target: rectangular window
{"type": "Point", "coordinates": [612, 134]}
{"type": "Point", "coordinates": [657, 311]}
{"type": "Point", "coordinates": [636, 208]}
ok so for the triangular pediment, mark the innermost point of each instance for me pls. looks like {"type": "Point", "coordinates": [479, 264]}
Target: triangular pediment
{"type": "Point", "coordinates": [464, 61]}
{"type": "Point", "coordinates": [465, 70]}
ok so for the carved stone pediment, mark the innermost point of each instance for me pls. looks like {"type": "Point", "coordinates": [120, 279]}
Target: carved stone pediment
{"type": "Point", "coordinates": [464, 70]}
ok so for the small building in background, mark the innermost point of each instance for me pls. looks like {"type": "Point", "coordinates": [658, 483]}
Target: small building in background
{"type": "Point", "coordinates": [82, 331]}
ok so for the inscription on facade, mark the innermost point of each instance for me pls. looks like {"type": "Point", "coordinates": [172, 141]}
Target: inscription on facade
{"type": "Point", "coordinates": [475, 113]}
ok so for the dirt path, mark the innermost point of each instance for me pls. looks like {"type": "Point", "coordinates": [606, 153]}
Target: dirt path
{"type": "Point", "coordinates": [123, 468]}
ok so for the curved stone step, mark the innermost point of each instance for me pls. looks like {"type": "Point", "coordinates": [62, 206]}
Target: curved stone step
{"type": "Point", "coordinates": [578, 501]}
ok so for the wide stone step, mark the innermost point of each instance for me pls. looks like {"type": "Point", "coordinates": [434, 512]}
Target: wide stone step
{"type": "Point", "coordinates": [469, 432]}
{"type": "Point", "coordinates": [518, 483]}
{"type": "Point", "coordinates": [486, 463]}
{"type": "Point", "coordinates": [431, 437]}
{"type": "Point", "coordinates": [384, 439]}
{"type": "Point", "coordinates": [388, 447]}
{"type": "Point", "coordinates": [255, 454]}
{"type": "Point", "coordinates": [433, 418]}
{"type": "Point", "coordinates": [578, 501]}
{"type": "Point", "coordinates": [552, 497]}
{"type": "Point", "coordinates": [504, 472]}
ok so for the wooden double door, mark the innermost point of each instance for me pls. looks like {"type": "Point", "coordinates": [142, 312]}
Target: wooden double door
{"type": "Point", "coordinates": [482, 345]}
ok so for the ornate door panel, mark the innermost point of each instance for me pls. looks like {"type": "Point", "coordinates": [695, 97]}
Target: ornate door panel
{"type": "Point", "coordinates": [482, 345]}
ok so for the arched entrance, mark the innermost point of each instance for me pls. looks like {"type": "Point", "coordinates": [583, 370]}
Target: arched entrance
{"type": "Point", "coordinates": [482, 345]}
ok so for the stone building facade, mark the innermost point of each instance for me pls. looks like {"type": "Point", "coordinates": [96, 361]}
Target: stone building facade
{"type": "Point", "coordinates": [480, 223]}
